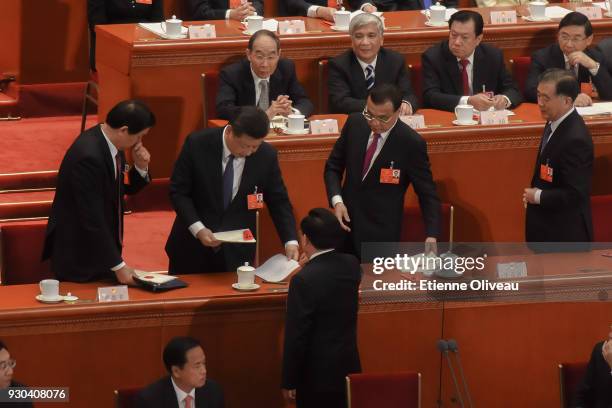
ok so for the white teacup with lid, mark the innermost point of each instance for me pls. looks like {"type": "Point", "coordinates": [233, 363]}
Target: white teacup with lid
{"type": "Point", "coordinates": [246, 276]}
{"type": "Point", "coordinates": [172, 26]}
{"type": "Point", "coordinates": [437, 13]}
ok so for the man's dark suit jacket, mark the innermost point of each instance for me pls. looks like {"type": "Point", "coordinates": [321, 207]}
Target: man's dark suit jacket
{"type": "Point", "coordinates": [595, 391]}
{"type": "Point", "coordinates": [161, 394]}
{"type": "Point", "coordinates": [196, 194]}
{"type": "Point", "coordinates": [298, 7]}
{"type": "Point", "coordinates": [376, 209]}
{"type": "Point", "coordinates": [347, 86]}
{"type": "Point", "coordinates": [397, 5]}
{"type": "Point", "coordinates": [321, 324]}
{"type": "Point", "coordinates": [442, 87]}
{"type": "Point", "coordinates": [215, 9]}
{"type": "Point", "coordinates": [552, 57]}
{"type": "Point", "coordinates": [82, 237]}
{"type": "Point", "coordinates": [564, 212]}
{"type": "Point", "coordinates": [118, 12]}
{"type": "Point", "coordinates": [237, 88]}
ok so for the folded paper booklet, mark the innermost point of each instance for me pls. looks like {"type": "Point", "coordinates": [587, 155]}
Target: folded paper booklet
{"type": "Point", "coordinates": [154, 277]}
{"type": "Point", "coordinates": [158, 282]}
{"type": "Point", "coordinates": [241, 236]}
{"type": "Point", "coordinates": [276, 268]}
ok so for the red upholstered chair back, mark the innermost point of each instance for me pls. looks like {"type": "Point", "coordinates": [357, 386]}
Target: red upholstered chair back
{"type": "Point", "coordinates": [154, 197]}
{"type": "Point", "coordinates": [416, 80]}
{"type": "Point", "coordinates": [22, 245]}
{"type": "Point", "coordinates": [323, 92]}
{"type": "Point", "coordinates": [388, 390]}
{"type": "Point", "coordinates": [413, 228]}
{"type": "Point", "coordinates": [601, 209]}
{"type": "Point", "coordinates": [126, 398]}
{"type": "Point", "coordinates": [520, 69]}
{"type": "Point", "coordinates": [570, 375]}
{"type": "Point", "coordinates": [210, 86]}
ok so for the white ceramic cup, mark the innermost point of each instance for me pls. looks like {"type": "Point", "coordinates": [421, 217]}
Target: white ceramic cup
{"type": "Point", "coordinates": [296, 122]}
{"type": "Point", "coordinates": [537, 9]}
{"type": "Point", "coordinates": [437, 13]}
{"type": "Point", "coordinates": [609, 13]}
{"type": "Point", "coordinates": [342, 19]}
{"type": "Point", "coordinates": [246, 275]}
{"type": "Point", "coordinates": [254, 23]}
{"type": "Point", "coordinates": [172, 26]}
{"type": "Point", "coordinates": [464, 113]}
{"type": "Point", "coordinates": [49, 288]}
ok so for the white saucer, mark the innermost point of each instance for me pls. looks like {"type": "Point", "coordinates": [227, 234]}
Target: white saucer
{"type": "Point", "coordinates": [54, 299]}
{"type": "Point", "coordinates": [175, 37]}
{"type": "Point", "coordinates": [430, 23]}
{"type": "Point", "coordinates": [249, 288]}
{"type": "Point", "coordinates": [297, 132]}
{"type": "Point", "coordinates": [536, 20]}
{"type": "Point", "coordinates": [470, 123]}
{"type": "Point", "coordinates": [336, 28]}
{"type": "Point", "coordinates": [71, 298]}
{"type": "Point", "coordinates": [247, 32]}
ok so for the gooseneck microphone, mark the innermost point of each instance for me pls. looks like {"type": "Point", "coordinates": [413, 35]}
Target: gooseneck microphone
{"type": "Point", "coordinates": [454, 347]}
{"type": "Point", "coordinates": [443, 348]}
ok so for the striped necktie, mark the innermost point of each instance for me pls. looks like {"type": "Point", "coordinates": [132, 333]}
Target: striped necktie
{"type": "Point", "coordinates": [369, 79]}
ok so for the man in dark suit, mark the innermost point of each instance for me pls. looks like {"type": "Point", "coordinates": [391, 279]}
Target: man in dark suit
{"type": "Point", "coordinates": [186, 386]}
{"type": "Point", "coordinates": [7, 364]}
{"type": "Point", "coordinates": [213, 176]}
{"type": "Point", "coordinates": [371, 6]}
{"type": "Point", "coordinates": [85, 230]}
{"type": "Point", "coordinates": [381, 157]}
{"type": "Point", "coordinates": [264, 80]}
{"type": "Point", "coordinates": [571, 52]}
{"type": "Point", "coordinates": [595, 391]}
{"type": "Point", "coordinates": [224, 9]}
{"type": "Point", "coordinates": [323, 9]}
{"type": "Point", "coordinates": [461, 70]}
{"type": "Point", "coordinates": [321, 319]}
{"type": "Point", "coordinates": [558, 201]}
{"type": "Point", "coordinates": [353, 73]}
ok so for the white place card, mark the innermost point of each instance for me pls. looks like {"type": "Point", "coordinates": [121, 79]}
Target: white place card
{"type": "Point", "coordinates": [202, 31]}
{"type": "Point", "coordinates": [593, 13]}
{"type": "Point", "coordinates": [495, 117]}
{"type": "Point", "coordinates": [291, 27]}
{"type": "Point", "coordinates": [511, 270]}
{"type": "Point", "coordinates": [414, 121]}
{"type": "Point", "coordinates": [503, 17]}
{"type": "Point", "coordinates": [324, 126]}
{"type": "Point", "coordinates": [113, 294]}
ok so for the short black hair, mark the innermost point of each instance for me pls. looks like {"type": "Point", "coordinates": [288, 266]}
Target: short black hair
{"type": "Point", "coordinates": [463, 16]}
{"type": "Point", "coordinates": [3, 346]}
{"type": "Point", "coordinates": [577, 19]}
{"type": "Point", "coordinates": [386, 92]}
{"type": "Point", "coordinates": [175, 352]}
{"type": "Point", "coordinates": [131, 113]}
{"type": "Point", "coordinates": [322, 228]}
{"type": "Point", "coordinates": [251, 121]}
{"type": "Point", "coordinates": [264, 33]}
{"type": "Point", "coordinates": [566, 83]}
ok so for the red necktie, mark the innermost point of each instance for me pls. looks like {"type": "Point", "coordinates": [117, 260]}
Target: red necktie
{"type": "Point", "coordinates": [464, 77]}
{"type": "Point", "coordinates": [118, 181]}
{"type": "Point", "coordinates": [187, 400]}
{"type": "Point", "coordinates": [332, 3]}
{"type": "Point", "coordinates": [369, 154]}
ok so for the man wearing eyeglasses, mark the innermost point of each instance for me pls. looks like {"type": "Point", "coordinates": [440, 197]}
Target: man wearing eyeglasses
{"type": "Point", "coordinates": [263, 79]}
{"type": "Point", "coordinates": [373, 145]}
{"type": "Point", "coordinates": [7, 366]}
{"type": "Point", "coordinates": [571, 52]}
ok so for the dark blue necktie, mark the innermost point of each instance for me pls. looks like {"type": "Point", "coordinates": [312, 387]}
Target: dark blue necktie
{"type": "Point", "coordinates": [369, 77]}
{"type": "Point", "coordinates": [546, 136]}
{"type": "Point", "coordinates": [228, 181]}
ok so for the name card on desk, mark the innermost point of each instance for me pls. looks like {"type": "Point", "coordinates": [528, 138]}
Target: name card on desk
{"type": "Point", "coordinates": [324, 126]}
{"type": "Point", "coordinates": [593, 13]}
{"type": "Point", "coordinates": [202, 31]}
{"type": "Point", "coordinates": [511, 270]}
{"type": "Point", "coordinates": [291, 27]}
{"type": "Point", "coordinates": [503, 17]}
{"type": "Point", "coordinates": [495, 117]}
{"type": "Point", "coordinates": [113, 294]}
{"type": "Point", "coordinates": [414, 121]}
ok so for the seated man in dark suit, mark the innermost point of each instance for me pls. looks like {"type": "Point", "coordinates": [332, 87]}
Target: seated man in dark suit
{"type": "Point", "coordinates": [571, 52]}
{"type": "Point", "coordinates": [321, 321]}
{"type": "Point", "coordinates": [461, 70]}
{"type": "Point", "coordinates": [186, 386]}
{"type": "Point", "coordinates": [370, 6]}
{"type": "Point", "coordinates": [263, 79]}
{"type": "Point", "coordinates": [353, 73]}
{"type": "Point", "coordinates": [224, 9]}
{"type": "Point", "coordinates": [595, 391]}
{"type": "Point", "coordinates": [7, 364]}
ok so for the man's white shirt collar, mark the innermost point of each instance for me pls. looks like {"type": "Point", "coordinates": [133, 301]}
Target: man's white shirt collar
{"type": "Point", "coordinates": [364, 65]}
{"type": "Point", "coordinates": [180, 394]}
{"type": "Point", "coordinates": [321, 252]}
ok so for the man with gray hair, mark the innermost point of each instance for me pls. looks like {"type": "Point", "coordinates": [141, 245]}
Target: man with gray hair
{"type": "Point", "coordinates": [354, 73]}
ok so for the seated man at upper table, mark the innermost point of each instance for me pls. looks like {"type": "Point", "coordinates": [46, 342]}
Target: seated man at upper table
{"type": "Point", "coordinates": [323, 9]}
{"type": "Point", "coordinates": [370, 6]}
{"type": "Point", "coordinates": [263, 79]}
{"type": "Point", "coordinates": [571, 52]}
{"type": "Point", "coordinates": [595, 390]}
{"type": "Point", "coordinates": [353, 73]}
{"type": "Point", "coordinates": [461, 70]}
{"type": "Point", "coordinates": [7, 364]}
{"type": "Point", "coordinates": [186, 386]}
{"type": "Point", "coordinates": [224, 9]}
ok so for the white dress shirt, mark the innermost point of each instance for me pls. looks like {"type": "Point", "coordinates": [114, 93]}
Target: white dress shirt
{"type": "Point", "coordinates": [181, 395]}
{"type": "Point", "coordinates": [320, 252]}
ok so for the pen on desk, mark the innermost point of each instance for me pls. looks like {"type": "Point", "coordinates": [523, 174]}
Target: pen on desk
{"type": "Point", "coordinates": [329, 23]}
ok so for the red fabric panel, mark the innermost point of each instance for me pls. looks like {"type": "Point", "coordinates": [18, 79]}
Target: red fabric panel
{"type": "Point", "coordinates": [36, 179]}
{"type": "Point", "coordinates": [416, 80]}
{"type": "Point", "coordinates": [520, 69]}
{"type": "Point", "coordinates": [126, 398]}
{"type": "Point", "coordinates": [413, 228]}
{"type": "Point", "coordinates": [154, 197]}
{"type": "Point", "coordinates": [572, 374]}
{"type": "Point", "coordinates": [390, 390]}
{"type": "Point", "coordinates": [601, 208]}
{"type": "Point", "coordinates": [25, 210]}
{"type": "Point", "coordinates": [144, 239]}
{"type": "Point", "coordinates": [22, 246]}
{"type": "Point", "coordinates": [56, 99]}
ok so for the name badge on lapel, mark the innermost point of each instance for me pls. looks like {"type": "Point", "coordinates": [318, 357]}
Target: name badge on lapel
{"type": "Point", "coordinates": [149, 2]}
{"type": "Point", "coordinates": [546, 172]}
{"type": "Point", "coordinates": [390, 175]}
{"type": "Point", "coordinates": [126, 174]}
{"type": "Point", "coordinates": [255, 201]}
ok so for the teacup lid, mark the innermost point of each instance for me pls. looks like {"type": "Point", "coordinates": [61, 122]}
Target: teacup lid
{"type": "Point", "coordinates": [437, 6]}
{"type": "Point", "coordinates": [174, 20]}
{"type": "Point", "coordinates": [246, 268]}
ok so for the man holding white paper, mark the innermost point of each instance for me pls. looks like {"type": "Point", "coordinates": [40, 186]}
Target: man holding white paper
{"type": "Point", "coordinates": [215, 186]}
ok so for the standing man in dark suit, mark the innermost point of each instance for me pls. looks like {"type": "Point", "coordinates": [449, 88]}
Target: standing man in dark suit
{"type": "Point", "coordinates": [264, 80]}
{"type": "Point", "coordinates": [85, 230]}
{"type": "Point", "coordinates": [353, 73]}
{"type": "Point", "coordinates": [7, 365]}
{"type": "Point", "coordinates": [595, 390]}
{"type": "Point", "coordinates": [558, 201]}
{"type": "Point", "coordinates": [321, 321]}
{"type": "Point", "coordinates": [213, 176]}
{"type": "Point", "coordinates": [571, 52]}
{"type": "Point", "coordinates": [186, 386]}
{"type": "Point", "coordinates": [461, 70]}
{"type": "Point", "coordinates": [381, 157]}
{"type": "Point", "coordinates": [224, 9]}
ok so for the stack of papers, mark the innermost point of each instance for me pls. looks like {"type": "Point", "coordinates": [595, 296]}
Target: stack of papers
{"type": "Point", "coordinates": [557, 12]}
{"type": "Point", "coordinates": [600, 108]}
{"type": "Point", "coordinates": [241, 236]}
{"type": "Point", "coordinates": [276, 268]}
{"type": "Point", "coordinates": [156, 28]}
{"type": "Point", "coordinates": [154, 277]}
{"type": "Point", "coordinates": [449, 13]}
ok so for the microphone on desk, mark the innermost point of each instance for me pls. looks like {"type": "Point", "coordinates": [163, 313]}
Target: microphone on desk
{"type": "Point", "coordinates": [443, 348]}
{"type": "Point", "coordinates": [454, 347]}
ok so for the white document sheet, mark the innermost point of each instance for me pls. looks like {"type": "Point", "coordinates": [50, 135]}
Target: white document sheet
{"type": "Point", "coordinates": [276, 268]}
{"type": "Point", "coordinates": [556, 12]}
{"type": "Point", "coordinates": [235, 236]}
{"type": "Point", "coordinates": [156, 28]}
{"type": "Point", "coordinates": [603, 5]}
{"type": "Point", "coordinates": [154, 277]}
{"type": "Point", "coordinates": [599, 108]}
